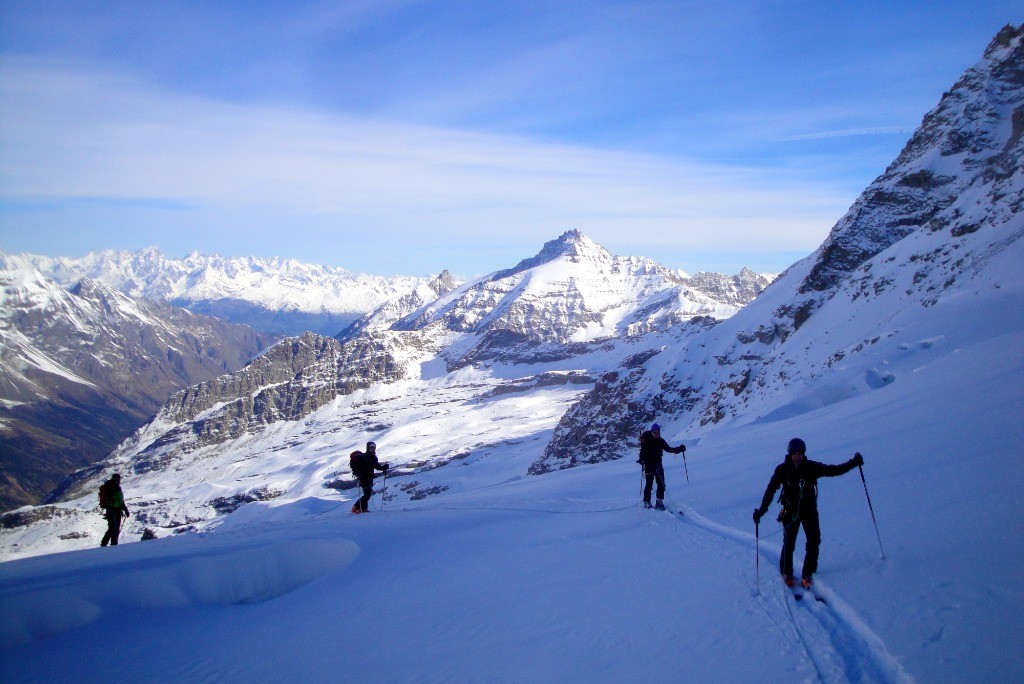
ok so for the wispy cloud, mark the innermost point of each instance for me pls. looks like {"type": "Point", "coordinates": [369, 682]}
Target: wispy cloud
{"type": "Point", "coordinates": [849, 133]}
{"type": "Point", "coordinates": [73, 135]}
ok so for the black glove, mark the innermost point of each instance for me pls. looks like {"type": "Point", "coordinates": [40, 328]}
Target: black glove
{"type": "Point", "coordinates": [386, 467]}
{"type": "Point", "coordinates": [682, 448]}
{"type": "Point", "coordinates": [757, 516]}
{"type": "Point", "coordinates": [127, 514]}
{"type": "Point", "coordinates": [858, 460]}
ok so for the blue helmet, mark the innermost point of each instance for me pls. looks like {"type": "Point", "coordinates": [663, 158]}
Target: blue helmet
{"type": "Point", "coordinates": [655, 428]}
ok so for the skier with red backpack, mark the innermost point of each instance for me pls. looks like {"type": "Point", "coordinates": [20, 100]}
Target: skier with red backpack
{"type": "Point", "coordinates": [114, 508]}
{"type": "Point", "coordinates": [363, 465]}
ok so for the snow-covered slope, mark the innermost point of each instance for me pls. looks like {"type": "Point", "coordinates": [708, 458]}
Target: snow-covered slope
{"type": "Point", "coordinates": [81, 369]}
{"type": "Point", "coordinates": [564, 578]}
{"type": "Point", "coordinates": [271, 295]}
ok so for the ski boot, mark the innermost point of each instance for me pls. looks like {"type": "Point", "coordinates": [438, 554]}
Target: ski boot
{"type": "Point", "coordinates": [660, 505]}
{"type": "Point", "coordinates": [647, 504]}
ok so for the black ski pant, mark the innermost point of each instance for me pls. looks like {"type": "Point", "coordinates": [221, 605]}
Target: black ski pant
{"type": "Point", "coordinates": [113, 528]}
{"type": "Point", "coordinates": [364, 501]}
{"type": "Point", "coordinates": [652, 475]}
{"type": "Point", "coordinates": [812, 531]}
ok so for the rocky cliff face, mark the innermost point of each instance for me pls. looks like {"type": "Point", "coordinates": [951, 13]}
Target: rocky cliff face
{"type": "Point", "coordinates": [938, 225]}
{"type": "Point", "coordinates": [292, 380]}
{"type": "Point", "coordinates": [80, 369]}
{"type": "Point", "coordinates": [956, 175]}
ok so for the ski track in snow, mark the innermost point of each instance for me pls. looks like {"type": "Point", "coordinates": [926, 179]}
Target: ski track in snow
{"type": "Point", "coordinates": [840, 646]}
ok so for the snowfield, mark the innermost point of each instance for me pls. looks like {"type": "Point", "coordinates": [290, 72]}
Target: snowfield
{"type": "Point", "coordinates": [563, 577]}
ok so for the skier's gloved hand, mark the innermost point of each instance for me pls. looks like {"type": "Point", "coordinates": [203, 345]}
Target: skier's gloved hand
{"type": "Point", "coordinates": [858, 460]}
{"type": "Point", "coordinates": [386, 467]}
{"type": "Point", "coordinates": [757, 516]}
{"type": "Point", "coordinates": [682, 448]}
{"type": "Point", "coordinates": [127, 514]}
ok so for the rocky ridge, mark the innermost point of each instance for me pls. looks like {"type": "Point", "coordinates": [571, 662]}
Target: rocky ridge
{"type": "Point", "coordinates": [81, 369]}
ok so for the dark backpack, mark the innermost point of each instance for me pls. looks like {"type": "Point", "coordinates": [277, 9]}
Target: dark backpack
{"type": "Point", "coordinates": [357, 463]}
{"type": "Point", "coordinates": [645, 437]}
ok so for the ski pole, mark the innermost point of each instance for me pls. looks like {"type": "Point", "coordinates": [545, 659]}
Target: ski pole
{"type": "Point", "coordinates": [686, 469]}
{"type": "Point", "coordinates": [872, 509]}
{"type": "Point", "coordinates": [643, 480]}
{"type": "Point", "coordinates": [757, 552]}
{"type": "Point", "coordinates": [384, 490]}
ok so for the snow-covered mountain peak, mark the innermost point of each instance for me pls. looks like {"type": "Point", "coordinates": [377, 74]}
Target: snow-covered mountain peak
{"type": "Point", "coordinates": [572, 246]}
{"type": "Point", "coordinates": [575, 290]}
{"type": "Point", "coordinates": [276, 295]}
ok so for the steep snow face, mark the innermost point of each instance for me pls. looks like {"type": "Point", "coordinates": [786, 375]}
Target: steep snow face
{"type": "Point", "coordinates": [941, 227]}
{"type": "Point", "coordinates": [958, 174]}
{"type": "Point", "coordinates": [275, 295]}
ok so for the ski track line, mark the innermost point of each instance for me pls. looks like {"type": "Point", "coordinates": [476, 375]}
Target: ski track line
{"type": "Point", "coordinates": [863, 654]}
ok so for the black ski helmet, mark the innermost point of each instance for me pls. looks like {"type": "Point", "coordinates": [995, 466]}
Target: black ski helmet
{"type": "Point", "coordinates": [797, 445]}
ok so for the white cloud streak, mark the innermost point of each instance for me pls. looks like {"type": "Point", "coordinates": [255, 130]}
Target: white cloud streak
{"type": "Point", "coordinates": [85, 135]}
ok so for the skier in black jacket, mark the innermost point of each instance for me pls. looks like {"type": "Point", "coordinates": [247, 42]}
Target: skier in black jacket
{"type": "Point", "coordinates": [798, 478]}
{"type": "Point", "coordinates": [363, 466]}
{"type": "Point", "coordinates": [651, 447]}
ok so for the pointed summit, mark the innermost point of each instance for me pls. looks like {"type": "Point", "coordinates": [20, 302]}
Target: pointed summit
{"type": "Point", "coordinates": [572, 244]}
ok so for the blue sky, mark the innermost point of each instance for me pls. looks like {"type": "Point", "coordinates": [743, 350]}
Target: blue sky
{"type": "Point", "coordinates": [402, 136]}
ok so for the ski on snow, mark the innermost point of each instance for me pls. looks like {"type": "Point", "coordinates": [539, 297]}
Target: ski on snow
{"type": "Point", "coordinates": [799, 592]}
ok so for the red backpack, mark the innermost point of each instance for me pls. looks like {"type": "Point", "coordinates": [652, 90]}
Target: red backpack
{"type": "Point", "coordinates": [104, 496]}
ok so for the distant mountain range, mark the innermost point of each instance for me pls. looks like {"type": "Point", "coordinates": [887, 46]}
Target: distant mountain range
{"type": "Point", "coordinates": [80, 369]}
{"type": "Point", "coordinates": [277, 296]}
{"type": "Point", "coordinates": [273, 294]}
{"type": "Point", "coordinates": [561, 359]}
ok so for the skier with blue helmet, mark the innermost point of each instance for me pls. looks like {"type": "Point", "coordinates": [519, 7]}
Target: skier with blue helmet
{"type": "Point", "coordinates": [652, 446]}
